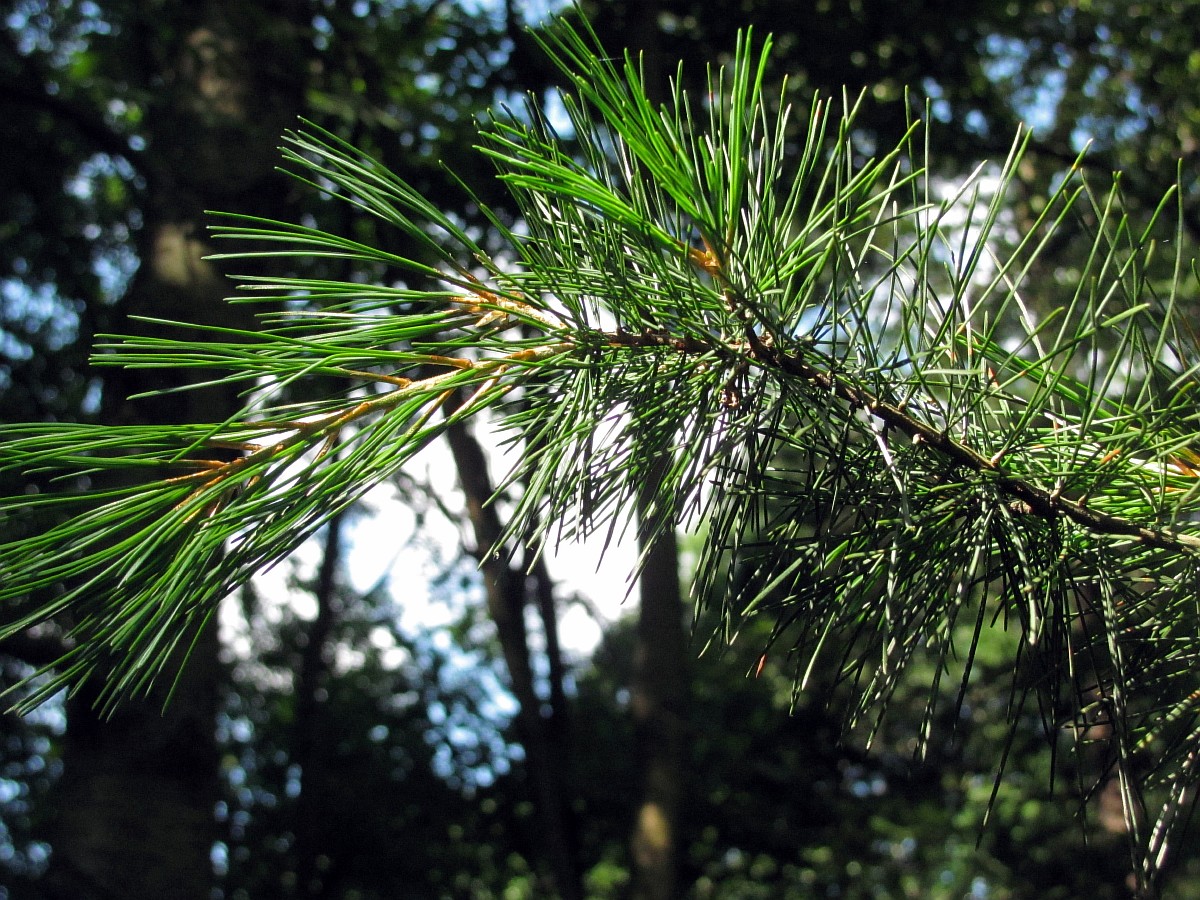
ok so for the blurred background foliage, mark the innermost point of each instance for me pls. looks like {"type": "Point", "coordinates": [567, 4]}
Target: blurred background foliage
{"type": "Point", "coordinates": [329, 751]}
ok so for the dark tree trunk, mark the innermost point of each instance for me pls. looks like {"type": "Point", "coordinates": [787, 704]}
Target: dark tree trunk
{"type": "Point", "coordinates": [659, 702]}
{"type": "Point", "coordinates": [509, 592]}
{"type": "Point", "coordinates": [317, 779]}
{"type": "Point", "coordinates": [134, 808]}
{"type": "Point", "coordinates": [133, 815]}
{"type": "Point", "coordinates": [661, 688]}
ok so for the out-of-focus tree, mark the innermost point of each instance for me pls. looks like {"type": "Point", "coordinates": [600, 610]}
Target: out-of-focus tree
{"type": "Point", "coordinates": [128, 121]}
{"type": "Point", "coordinates": [361, 761]}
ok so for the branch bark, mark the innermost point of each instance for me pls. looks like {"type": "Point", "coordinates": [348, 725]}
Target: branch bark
{"type": "Point", "coordinates": [1042, 502]}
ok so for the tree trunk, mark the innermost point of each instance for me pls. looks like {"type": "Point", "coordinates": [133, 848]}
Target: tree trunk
{"type": "Point", "coordinates": [661, 690]}
{"type": "Point", "coordinates": [659, 700]}
{"type": "Point", "coordinates": [509, 591]}
{"type": "Point", "coordinates": [134, 809]}
{"type": "Point", "coordinates": [317, 778]}
{"type": "Point", "coordinates": [133, 812]}
{"type": "Point", "coordinates": [135, 803]}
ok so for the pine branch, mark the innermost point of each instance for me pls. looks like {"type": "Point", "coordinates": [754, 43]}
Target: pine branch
{"type": "Point", "coordinates": [731, 329]}
{"type": "Point", "coordinates": [1029, 498]}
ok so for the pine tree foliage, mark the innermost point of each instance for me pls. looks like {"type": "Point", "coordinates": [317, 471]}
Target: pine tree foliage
{"type": "Point", "coordinates": [878, 431]}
